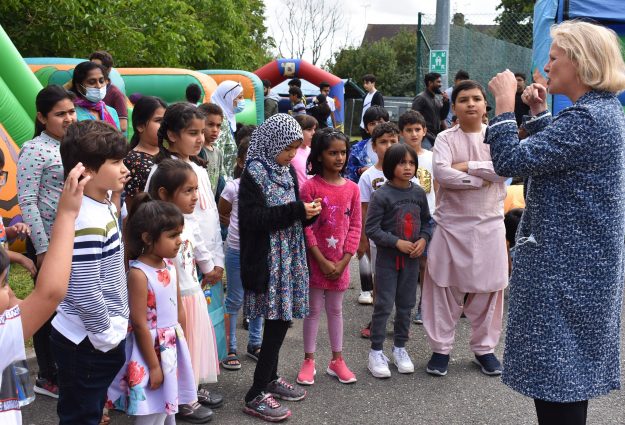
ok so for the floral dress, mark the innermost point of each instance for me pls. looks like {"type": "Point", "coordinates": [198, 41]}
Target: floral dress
{"type": "Point", "coordinates": [139, 164]}
{"type": "Point", "coordinates": [130, 390]}
{"type": "Point", "coordinates": [287, 292]}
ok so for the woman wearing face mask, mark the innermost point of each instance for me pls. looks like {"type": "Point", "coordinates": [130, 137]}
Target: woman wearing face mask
{"type": "Point", "coordinates": [229, 96]}
{"type": "Point", "coordinates": [89, 85]}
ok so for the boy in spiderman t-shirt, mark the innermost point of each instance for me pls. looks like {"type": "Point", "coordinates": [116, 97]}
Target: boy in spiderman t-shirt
{"type": "Point", "coordinates": [398, 221]}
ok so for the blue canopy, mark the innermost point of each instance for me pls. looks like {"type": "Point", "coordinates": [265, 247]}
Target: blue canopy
{"type": "Point", "coordinates": [610, 13]}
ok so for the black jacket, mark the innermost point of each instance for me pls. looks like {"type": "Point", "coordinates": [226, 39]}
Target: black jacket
{"type": "Point", "coordinates": [256, 222]}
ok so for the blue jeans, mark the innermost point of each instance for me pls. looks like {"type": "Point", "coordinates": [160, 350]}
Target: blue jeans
{"type": "Point", "coordinates": [234, 302]}
{"type": "Point", "coordinates": [84, 375]}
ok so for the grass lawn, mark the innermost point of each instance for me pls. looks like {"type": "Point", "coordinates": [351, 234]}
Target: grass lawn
{"type": "Point", "coordinates": [20, 281]}
{"type": "Point", "coordinates": [22, 284]}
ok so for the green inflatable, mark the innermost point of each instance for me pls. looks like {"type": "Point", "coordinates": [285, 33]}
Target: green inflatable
{"type": "Point", "coordinates": [15, 119]}
{"type": "Point", "coordinates": [17, 76]}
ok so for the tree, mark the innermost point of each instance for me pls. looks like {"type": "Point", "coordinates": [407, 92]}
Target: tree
{"type": "Point", "coordinates": [378, 58]}
{"type": "Point", "coordinates": [516, 21]}
{"type": "Point", "coordinates": [176, 33]}
{"type": "Point", "coordinates": [310, 26]}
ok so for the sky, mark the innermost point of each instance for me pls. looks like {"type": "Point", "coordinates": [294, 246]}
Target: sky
{"type": "Point", "coordinates": [359, 13]}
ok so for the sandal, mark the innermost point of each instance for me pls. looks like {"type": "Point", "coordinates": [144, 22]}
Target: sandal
{"type": "Point", "coordinates": [231, 362]}
{"type": "Point", "coordinates": [253, 353]}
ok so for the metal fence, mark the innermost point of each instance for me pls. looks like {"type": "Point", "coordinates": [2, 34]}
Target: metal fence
{"type": "Point", "coordinates": [481, 44]}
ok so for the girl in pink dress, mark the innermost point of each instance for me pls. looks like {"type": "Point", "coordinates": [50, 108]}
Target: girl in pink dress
{"type": "Point", "coordinates": [157, 375]}
{"type": "Point", "coordinates": [331, 241]}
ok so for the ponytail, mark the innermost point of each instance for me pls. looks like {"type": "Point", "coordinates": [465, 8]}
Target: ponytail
{"type": "Point", "coordinates": [149, 218]}
{"type": "Point", "coordinates": [170, 174]}
{"type": "Point", "coordinates": [45, 101]}
{"type": "Point", "coordinates": [177, 117]}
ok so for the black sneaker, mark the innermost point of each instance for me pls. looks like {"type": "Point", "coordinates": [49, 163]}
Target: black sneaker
{"type": "Point", "coordinates": [210, 399]}
{"type": "Point", "coordinates": [438, 364]}
{"type": "Point", "coordinates": [489, 364]}
{"type": "Point", "coordinates": [285, 391]}
{"type": "Point", "coordinates": [194, 413]}
{"type": "Point", "coordinates": [266, 407]}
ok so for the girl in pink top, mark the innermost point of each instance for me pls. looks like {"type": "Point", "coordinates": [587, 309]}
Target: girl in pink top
{"type": "Point", "coordinates": [331, 241]}
{"type": "Point", "coordinates": [309, 125]}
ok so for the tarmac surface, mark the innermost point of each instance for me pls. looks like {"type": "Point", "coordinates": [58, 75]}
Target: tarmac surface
{"type": "Point", "coordinates": [464, 396]}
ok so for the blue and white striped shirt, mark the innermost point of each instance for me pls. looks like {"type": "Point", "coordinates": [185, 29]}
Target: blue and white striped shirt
{"type": "Point", "coordinates": [96, 304]}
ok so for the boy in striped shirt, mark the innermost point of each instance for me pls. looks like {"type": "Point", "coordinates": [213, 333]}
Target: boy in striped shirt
{"type": "Point", "coordinates": [89, 330]}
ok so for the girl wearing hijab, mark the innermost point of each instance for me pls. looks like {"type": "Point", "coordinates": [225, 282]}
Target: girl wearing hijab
{"type": "Point", "coordinates": [273, 255]}
{"type": "Point", "coordinates": [89, 84]}
{"type": "Point", "coordinates": [229, 96]}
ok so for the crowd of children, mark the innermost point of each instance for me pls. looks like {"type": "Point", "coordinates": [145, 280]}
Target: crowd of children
{"type": "Point", "coordinates": [302, 203]}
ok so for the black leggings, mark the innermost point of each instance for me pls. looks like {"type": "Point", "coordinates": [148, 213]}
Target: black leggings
{"type": "Point", "coordinates": [267, 366]}
{"type": "Point", "coordinates": [552, 413]}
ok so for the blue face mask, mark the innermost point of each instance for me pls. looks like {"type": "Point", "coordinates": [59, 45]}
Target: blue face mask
{"type": "Point", "coordinates": [94, 94]}
{"type": "Point", "coordinates": [240, 106]}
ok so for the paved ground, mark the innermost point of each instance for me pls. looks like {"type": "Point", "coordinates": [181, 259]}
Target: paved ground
{"type": "Point", "coordinates": [464, 396]}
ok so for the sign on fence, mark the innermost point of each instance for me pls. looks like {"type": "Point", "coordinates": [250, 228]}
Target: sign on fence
{"type": "Point", "coordinates": [438, 61]}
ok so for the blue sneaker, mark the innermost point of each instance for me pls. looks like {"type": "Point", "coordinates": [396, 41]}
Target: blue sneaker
{"type": "Point", "coordinates": [489, 364]}
{"type": "Point", "coordinates": [438, 364]}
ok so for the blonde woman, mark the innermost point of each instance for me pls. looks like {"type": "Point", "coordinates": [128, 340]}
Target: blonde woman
{"type": "Point", "coordinates": [562, 343]}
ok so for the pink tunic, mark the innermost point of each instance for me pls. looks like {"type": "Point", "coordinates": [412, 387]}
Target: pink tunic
{"type": "Point", "coordinates": [336, 231]}
{"type": "Point", "coordinates": [299, 163]}
{"type": "Point", "coordinates": [468, 248]}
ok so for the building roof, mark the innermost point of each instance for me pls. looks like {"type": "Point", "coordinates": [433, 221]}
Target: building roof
{"type": "Point", "coordinates": [376, 32]}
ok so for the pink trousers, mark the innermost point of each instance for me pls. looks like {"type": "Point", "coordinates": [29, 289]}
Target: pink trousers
{"type": "Point", "coordinates": [333, 301]}
{"type": "Point", "coordinates": [441, 309]}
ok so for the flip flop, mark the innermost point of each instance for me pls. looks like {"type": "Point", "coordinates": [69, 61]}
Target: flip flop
{"type": "Point", "coordinates": [231, 362]}
{"type": "Point", "coordinates": [253, 353]}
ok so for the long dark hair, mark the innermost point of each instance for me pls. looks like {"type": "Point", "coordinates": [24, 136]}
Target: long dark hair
{"type": "Point", "coordinates": [46, 100]}
{"type": "Point", "coordinates": [152, 217]}
{"type": "Point", "coordinates": [142, 113]}
{"type": "Point", "coordinates": [244, 144]}
{"type": "Point", "coordinates": [178, 116]}
{"type": "Point", "coordinates": [80, 75]}
{"type": "Point", "coordinates": [320, 142]}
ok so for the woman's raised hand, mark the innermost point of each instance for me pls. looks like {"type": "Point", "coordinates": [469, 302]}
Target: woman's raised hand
{"type": "Point", "coordinates": [535, 96]}
{"type": "Point", "coordinates": [503, 87]}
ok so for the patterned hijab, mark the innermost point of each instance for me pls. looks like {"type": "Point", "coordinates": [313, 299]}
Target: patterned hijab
{"type": "Point", "coordinates": [271, 138]}
{"type": "Point", "coordinates": [224, 96]}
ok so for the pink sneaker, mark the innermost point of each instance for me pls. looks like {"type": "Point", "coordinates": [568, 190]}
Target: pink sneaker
{"type": "Point", "coordinates": [339, 369]}
{"type": "Point", "coordinates": [307, 372]}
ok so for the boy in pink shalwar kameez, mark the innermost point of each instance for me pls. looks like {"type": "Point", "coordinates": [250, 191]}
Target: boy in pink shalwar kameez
{"type": "Point", "coordinates": [467, 263]}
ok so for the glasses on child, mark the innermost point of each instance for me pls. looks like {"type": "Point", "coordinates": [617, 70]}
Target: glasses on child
{"type": "Point", "coordinates": [4, 176]}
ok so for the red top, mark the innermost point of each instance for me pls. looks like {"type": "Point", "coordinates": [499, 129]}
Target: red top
{"type": "Point", "coordinates": [336, 231]}
{"type": "Point", "coordinates": [116, 100]}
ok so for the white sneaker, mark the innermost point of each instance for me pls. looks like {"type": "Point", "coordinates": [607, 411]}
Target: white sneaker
{"type": "Point", "coordinates": [365, 297]}
{"type": "Point", "coordinates": [402, 360]}
{"type": "Point", "coordinates": [378, 364]}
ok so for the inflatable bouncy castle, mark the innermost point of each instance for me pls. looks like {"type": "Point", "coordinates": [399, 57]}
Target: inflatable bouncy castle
{"type": "Point", "coordinates": [282, 69]}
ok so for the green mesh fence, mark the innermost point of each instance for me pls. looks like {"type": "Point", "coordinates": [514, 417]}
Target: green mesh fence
{"type": "Point", "coordinates": [482, 50]}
